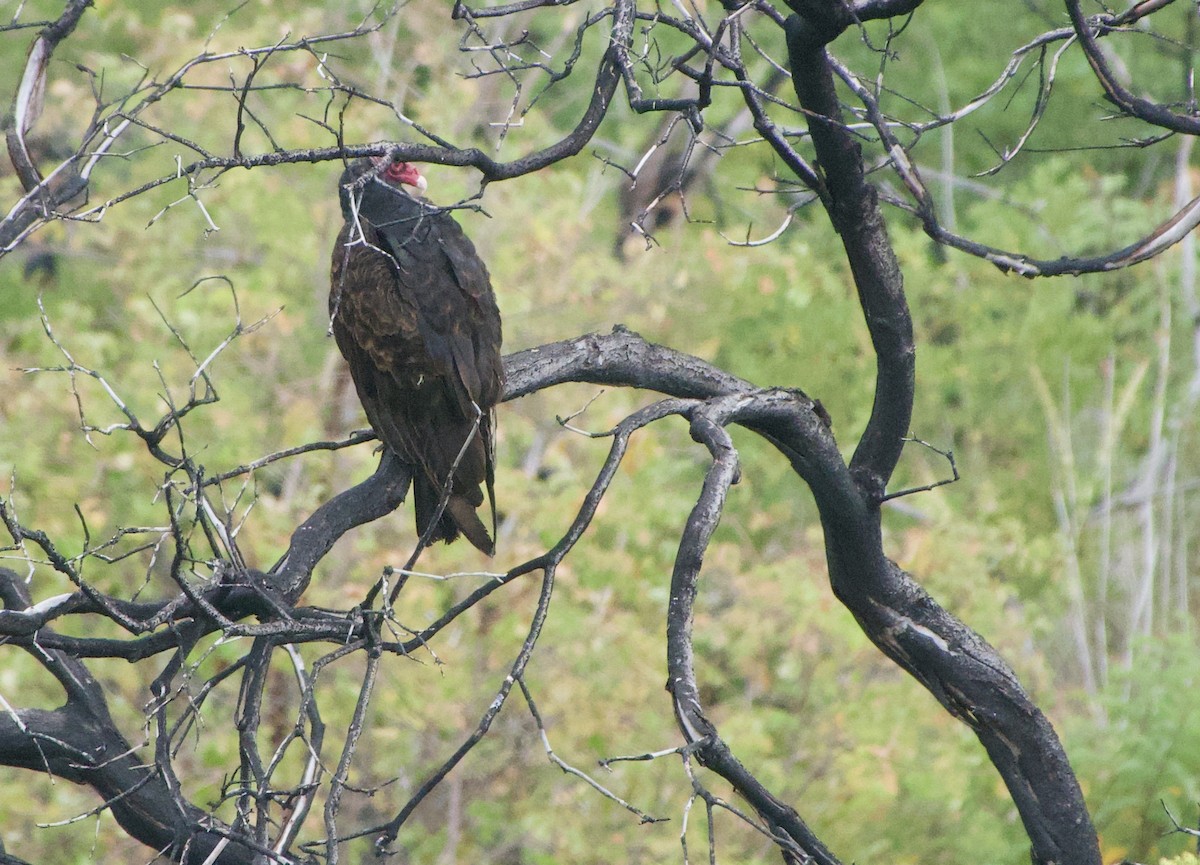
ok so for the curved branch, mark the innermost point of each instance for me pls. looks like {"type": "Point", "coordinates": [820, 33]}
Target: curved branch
{"type": "Point", "coordinates": [1161, 238]}
{"type": "Point", "coordinates": [854, 211]}
{"type": "Point", "coordinates": [1135, 106]}
{"type": "Point", "coordinates": [68, 182]}
{"type": "Point", "coordinates": [798, 843]}
{"type": "Point", "coordinates": [957, 666]}
{"type": "Point", "coordinates": [369, 500]}
{"type": "Point", "coordinates": [27, 102]}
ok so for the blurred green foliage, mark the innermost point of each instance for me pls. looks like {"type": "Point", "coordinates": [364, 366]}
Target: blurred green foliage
{"type": "Point", "coordinates": [865, 755]}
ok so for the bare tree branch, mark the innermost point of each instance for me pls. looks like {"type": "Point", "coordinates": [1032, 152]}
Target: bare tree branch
{"type": "Point", "coordinates": [834, 142]}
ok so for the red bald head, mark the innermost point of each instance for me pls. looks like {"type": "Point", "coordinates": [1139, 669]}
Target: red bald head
{"type": "Point", "coordinates": [399, 173]}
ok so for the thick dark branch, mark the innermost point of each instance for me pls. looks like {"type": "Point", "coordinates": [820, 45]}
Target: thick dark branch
{"type": "Point", "coordinates": [969, 678]}
{"type": "Point", "coordinates": [949, 659]}
{"type": "Point", "coordinates": [838, 15]}
{"type": "Point", "coordinates": [22, 622]}
{"type": "Point", "coordinates": [79, 742]}
{"type": "Point", "coordinates": [375, 497]}
{"type": "Point", "coordinates": [874, 10]}
{"type": "Point", "coordinates": [958, 667]}
{"type": "Point", "coordinates": [854, 212]}
{"type": "Point", "coordinates": [620, 357]}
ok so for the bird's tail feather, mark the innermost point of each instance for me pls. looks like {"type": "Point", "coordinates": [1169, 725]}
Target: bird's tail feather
{"type": "Point", "coordinates": [466, 519]}
{"type": "Point", "coordinates": [458, 517]}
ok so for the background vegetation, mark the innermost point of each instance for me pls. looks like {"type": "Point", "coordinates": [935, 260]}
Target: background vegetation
{"type": "Point", "coordinates": [1069, 543]}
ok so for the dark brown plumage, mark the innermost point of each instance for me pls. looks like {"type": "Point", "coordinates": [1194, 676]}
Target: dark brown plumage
{"type": "Point", "coordinates": [413, 313]}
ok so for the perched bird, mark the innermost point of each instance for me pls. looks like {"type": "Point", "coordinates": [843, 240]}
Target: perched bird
{"type": "Point", "coordinates": [412, 309]}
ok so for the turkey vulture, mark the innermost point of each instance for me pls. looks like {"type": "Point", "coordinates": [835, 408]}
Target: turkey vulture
{"type": "Point", "coordinates": [412, 309]}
